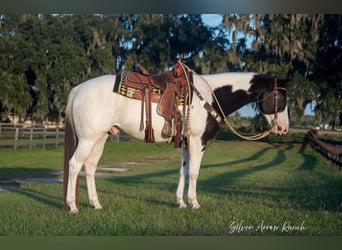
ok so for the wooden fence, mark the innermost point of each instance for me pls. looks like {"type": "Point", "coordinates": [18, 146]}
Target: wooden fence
{"type": "Point", "coordinates": [21, 137]}
{"type": "Point", "coordinates": [335, 160]}
{"type": "Point", "coordinates": [37, 137]}
{"type": "Point", "coordinates": [29, 137]}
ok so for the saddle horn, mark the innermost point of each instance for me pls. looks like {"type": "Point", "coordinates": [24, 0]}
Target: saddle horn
{"type": "Point", "coordinates": [178, 70]}
{"type": "Point", "coordinates": [140, 69]}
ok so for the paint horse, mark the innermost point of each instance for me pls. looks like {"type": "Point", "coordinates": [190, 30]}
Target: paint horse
{"type": "Point", "coordinates": [94, 110]}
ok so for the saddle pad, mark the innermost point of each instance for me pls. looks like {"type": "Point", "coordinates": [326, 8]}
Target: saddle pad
{"type": "Point", "coordinates": [132, 91]}
{"type": "Point", "coordinates": [135, 79]}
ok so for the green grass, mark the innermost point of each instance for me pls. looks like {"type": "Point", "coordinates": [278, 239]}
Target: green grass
{"type": "Point", "coordinates": [247, 183]}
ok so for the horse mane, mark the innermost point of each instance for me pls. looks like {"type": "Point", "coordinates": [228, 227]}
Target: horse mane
{"type": "Point", "coordinates": [262, 82]}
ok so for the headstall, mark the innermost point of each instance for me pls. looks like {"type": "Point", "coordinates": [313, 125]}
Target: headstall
{"type": "Point", "coordinates": [218, 117]}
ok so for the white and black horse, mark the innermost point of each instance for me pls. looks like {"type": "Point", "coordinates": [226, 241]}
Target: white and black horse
{"type": "Point", "coordinates": [93, 110]}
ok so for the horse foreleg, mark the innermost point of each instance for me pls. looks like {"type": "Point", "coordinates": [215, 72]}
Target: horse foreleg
{"type": "Point", "coordinates": [196, 153]}
{"type": "Point", "coordinates": [90, 167]}
{"type": "Point", "coordinates": [183, 173]}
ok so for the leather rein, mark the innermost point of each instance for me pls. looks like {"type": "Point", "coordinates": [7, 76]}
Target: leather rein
{"type": "Point", "coordinates": [218, 117]}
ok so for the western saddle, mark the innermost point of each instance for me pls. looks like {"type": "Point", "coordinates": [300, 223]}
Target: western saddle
{"type": "Point", "coordinates": [169, 89]}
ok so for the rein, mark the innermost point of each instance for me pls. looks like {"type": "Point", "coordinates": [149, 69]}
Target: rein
{"type": "Point", "coordinates": [218, 117]}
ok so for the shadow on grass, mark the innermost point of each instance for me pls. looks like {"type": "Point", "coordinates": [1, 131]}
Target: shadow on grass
{"type": "Point", "coordinates": [41, 197]}
{"type": "Point", "coordinates": [213, 185]}
{"type": "Point", "coordinates": [142, 197]}
{"type": "Point", "coordinates": [311, 189]}
{"type": "Point", "coordinates": [233, 163]}
{"type": "Point", "coordinates": [216, 183]}
{"type": "Point", "coordinates": [149, 181]}
{"type": "Point", "coordinates": [309, 159]}
{"type": "Point", "coordinates": [307, 188]}
{"type": "Point", "coordinates": [10, 177]}
{"type": "Point", "coordinates": [21, 172]}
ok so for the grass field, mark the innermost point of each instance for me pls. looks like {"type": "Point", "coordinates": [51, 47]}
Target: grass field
{"type": "Point", "coordinates": [245, 188]}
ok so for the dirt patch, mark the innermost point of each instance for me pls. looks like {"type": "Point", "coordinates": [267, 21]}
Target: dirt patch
{"type": "Point", "coordinates": [129, 164]}
{"type": "Point", "coordinates": [56, 176]}
{"type": "Point", "coordinates": [9, 187]}
{"type": "Point", "coordinates": [16, 183]}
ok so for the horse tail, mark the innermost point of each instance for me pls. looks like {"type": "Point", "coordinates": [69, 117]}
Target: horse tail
{"type": "Point", "coordinates": [70, 143]}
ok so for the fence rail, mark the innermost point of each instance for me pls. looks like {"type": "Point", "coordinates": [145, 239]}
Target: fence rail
{"type": "Point", "coordinates": [29, 137]}
{"type": "Point", "coordinates": [37, 137]}
{"type": "Point", "coordinates": [334, 159]}
{"type": "Point", "coordinates": [19, 137]}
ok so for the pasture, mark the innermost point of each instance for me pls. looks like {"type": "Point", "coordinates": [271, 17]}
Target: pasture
{"type": "Point", "coordinates": [245, 188]}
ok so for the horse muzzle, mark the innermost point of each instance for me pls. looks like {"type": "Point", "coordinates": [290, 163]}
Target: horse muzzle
{"type": "Point", "coordinates": [280, 128]}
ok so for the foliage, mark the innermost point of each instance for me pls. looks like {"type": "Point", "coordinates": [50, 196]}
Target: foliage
{"type": "Point", "coordinates": [43, 56]}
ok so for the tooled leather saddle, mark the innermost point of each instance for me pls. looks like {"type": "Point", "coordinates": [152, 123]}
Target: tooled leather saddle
{"type": "Point", "coordinates": [168, 89]}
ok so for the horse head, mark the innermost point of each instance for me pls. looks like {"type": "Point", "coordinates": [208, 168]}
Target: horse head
{"type": "Point", "coordinates": [270, 95]}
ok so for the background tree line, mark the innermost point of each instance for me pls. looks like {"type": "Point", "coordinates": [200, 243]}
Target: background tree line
{"type": "Point", "coordinates": [43, 56]}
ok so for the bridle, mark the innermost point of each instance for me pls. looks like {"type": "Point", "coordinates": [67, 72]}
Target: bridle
{"type": "Point", "coordinates": [274, 122]}
{"type": "Point", "coordinates": [218, 117]}
{"type": "Point", "coordinates": [275, 93]}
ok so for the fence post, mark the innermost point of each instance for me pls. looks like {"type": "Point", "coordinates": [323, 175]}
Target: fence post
{"type": "Point", "coordinates": [57, 137]}
{"type": "Point", "coordinates": [31, 138]}
{"type": "Point", "coordinates": [0, 129]}
{"type": "Point", "coordinates": [16, 136]}
{"type": "Point", "coordinates": [44, 138]}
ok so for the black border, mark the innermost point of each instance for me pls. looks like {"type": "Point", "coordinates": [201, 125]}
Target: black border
{"type": "Point", "coordinates": [174, 6]}
{"type": "Point", "coordinates": [166, 243]}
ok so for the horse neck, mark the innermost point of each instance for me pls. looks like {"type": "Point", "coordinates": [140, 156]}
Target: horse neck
{"type": "Point", "coordinates": [231, 89]}
{"type": "Point", "coordinates": [231, 101]}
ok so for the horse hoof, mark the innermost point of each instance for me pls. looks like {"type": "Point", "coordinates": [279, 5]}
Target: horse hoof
{"type": "Point", "coordinates": [195, 206]}
{"type": "Point", "coordinates": [74, 211]}
{"type": "Point", "coordinates": [96, 204]}
{"type": "Point", "coordinates": [194, 203]}
{"type": "Point", "coordinates": [182, 206]}
{"type": "Point", "coordinates": [98, 208]}
{"type": "Point", "coordinates": [181, 203]}
{"type": "Point", "coordinates": [73, 208]}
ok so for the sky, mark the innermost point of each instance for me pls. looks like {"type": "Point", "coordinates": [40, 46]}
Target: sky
{"type": "Point", "coordinates": [212, 19]}
{"type": "Point", "coordinates": [215, 20]}
{"type": "Point", "coordinates": [246, 111]}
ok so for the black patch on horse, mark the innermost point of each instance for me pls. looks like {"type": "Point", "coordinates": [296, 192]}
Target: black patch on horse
{"type": "Point", "coordinates": [261, 90]}
{"type": "Point", "coordinates": [117, 82]}
{"type": "Point", "coordinates": [230, 102]}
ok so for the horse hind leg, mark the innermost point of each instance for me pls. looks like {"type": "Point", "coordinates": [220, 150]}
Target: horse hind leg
{"type": "Point", "coordinates": [76, 162]}
{"type": "Point", "coordinates": [90, 168]}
